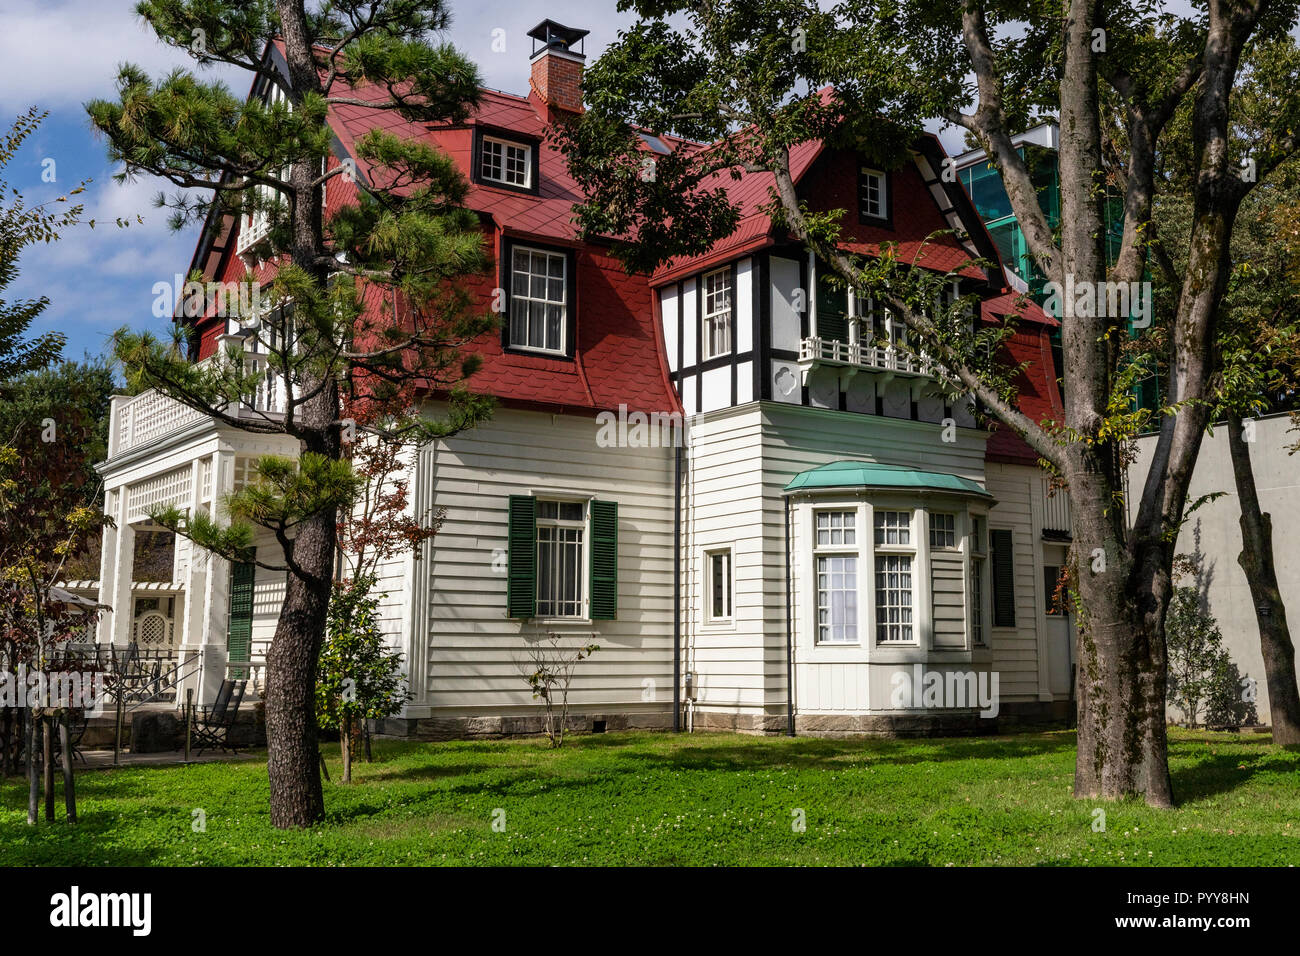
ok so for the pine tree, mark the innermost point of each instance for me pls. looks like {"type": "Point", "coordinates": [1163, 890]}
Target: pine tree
{"type": "Point", "coordinates": [359, 304]}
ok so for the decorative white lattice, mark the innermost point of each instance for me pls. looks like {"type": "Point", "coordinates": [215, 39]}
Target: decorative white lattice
{"type": "Point", "coordinates": [153, 630]}
{"type": "Point", "coordinates": [169, 488]}
{"type": "Point", "coordinates": [151, 415]}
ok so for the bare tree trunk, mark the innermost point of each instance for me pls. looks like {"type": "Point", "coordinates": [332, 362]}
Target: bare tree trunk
{"type": "Point", "coordinates": [33, 771]}
{"type": "Point", "coordinates": [1121, 676]}
{"type": "Point", "coordinates": [47, 765]}
{"type": "Point", "coordinates": [345, 746]}
{"type": "Point", "coordinates": [69, 785]}
{"type": "Point", "coordinates": [1256, 559]}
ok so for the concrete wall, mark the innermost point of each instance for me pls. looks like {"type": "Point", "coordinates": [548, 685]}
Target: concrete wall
{"type": "Point", "coordinates": [1212, 535]}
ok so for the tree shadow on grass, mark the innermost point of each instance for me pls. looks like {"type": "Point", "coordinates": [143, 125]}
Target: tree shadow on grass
{"type": "Point", "coordinates": [833, 754]}
{"type": "Point", "coordinates": [1223, 773]}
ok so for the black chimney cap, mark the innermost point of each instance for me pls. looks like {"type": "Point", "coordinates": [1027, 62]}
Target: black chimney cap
{"type": "Point", "coordinates": [549, 33]}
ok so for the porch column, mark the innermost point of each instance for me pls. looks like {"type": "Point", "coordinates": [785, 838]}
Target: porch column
{"type": "Point", "coordinates": [193, 576]}
{"type": "Point", "coordinates": [214, 606]}
{"type": "Point", "coordinates": [107, 571]}
{"type": "Point", "coordinates": [119, 619]}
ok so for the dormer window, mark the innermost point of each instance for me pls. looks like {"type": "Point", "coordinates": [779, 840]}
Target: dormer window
{"type": "Point", "coordinates": [506, 163]}
{"type": "Point", "coordinates": [541, 291]}
{"type": "Point", "coordinates": [873, 195]}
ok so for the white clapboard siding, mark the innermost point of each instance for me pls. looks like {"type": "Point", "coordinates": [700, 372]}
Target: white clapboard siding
{"type": "Point", "coordinates": [464, 648]}
{"type": "Point", "coordinates": [740, 461]}
{"type": "Point", "coordinates": [1016, 651]}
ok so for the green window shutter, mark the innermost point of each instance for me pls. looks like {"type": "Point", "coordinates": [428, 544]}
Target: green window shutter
{"type": "Point", "coordinates": [832, 307]}
{"type": "Point", "coordinates": [521, 557]}
{"type": "Point", "coordinates": [239, 629]}
{"type": "Point", "coordinates": [1004, 591]}
{"type": "Point", "coordinates": [604, 560]}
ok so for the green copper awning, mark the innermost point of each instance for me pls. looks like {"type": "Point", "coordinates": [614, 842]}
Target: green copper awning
{"type": "Point", "coordinates": [865, 474]}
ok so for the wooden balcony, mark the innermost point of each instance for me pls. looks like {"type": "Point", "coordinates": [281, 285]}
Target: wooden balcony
{"type": "Point", "coordinates": [857, 356]}
{"type": "Point", "coordinates": [139, 420]}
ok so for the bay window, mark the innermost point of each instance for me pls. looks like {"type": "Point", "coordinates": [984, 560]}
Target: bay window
{"type": "Point", "coordinates": [837, 577]}
{"type": "Point", "coordinates": [894, 585]}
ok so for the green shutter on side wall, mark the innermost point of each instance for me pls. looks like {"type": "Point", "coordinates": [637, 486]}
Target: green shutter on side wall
{"type": "Point", "coordinates": [521, 557]}
{"type": "Point", "coordinates": [1004, 591]}
{"type": "Point", "coordinates": [239, 628]}
{"type": "Point", "coordinates": [832, 307]}
{"type": "Point", "coordinates": [604, 560]}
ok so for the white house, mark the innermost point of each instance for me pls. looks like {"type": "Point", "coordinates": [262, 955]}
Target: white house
{"type": "Point", "coordinates": [828, 518]}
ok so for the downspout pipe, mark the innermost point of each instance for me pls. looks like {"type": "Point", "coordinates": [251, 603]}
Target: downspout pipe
{"type": "Point", "coordinates": [677, 588]}
{"type": "Point", "coordinates": [789, 630]}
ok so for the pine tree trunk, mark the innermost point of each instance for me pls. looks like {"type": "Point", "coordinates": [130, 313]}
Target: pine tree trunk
{"type": "Point", "coordinates": [1256, 559]}
{"type": "Point", "coordinates": [293, 757]}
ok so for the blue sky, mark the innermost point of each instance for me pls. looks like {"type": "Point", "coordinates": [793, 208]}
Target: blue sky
{"type": "Point", "coordinates": [59, 55]}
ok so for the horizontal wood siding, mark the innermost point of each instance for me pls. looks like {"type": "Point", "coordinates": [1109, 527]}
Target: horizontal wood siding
{"type": "Point", "coordinates": [1016, 649]}
{"type": "Point", "coordinates": [470, 662]}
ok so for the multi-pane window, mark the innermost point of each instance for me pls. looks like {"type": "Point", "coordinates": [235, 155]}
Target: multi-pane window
{"type": "Point", "coordinates": [255, 223]}
{"type": "Point", "coordinates": [874, 198]}
{"type": "Point", "coordinates": [943, 530]}
{"type": "Point", "coordinates": [836, 528]}
{"type": "Point", "coordinates": [894, 527]}
{"type": "Point", "coordinates": [893, 598]}
{"type": "Point", "coordinates": [837, 577]}
{"type": "Point", "coordinates": [560, 526]}
{"type": "Point", "coordinates": [538, 299]}
{"type": "Point", "coordinates": [719, 584]}
{"type": "Point", "coordinates": [837, 599]}
{"type": "Point", "coordinates": [504, 162]}
{"type": "Point", "coordinates": [717, 313]}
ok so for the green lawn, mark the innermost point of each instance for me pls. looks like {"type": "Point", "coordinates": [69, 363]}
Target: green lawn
{"type": "Point", "coordinates": [706, 799]}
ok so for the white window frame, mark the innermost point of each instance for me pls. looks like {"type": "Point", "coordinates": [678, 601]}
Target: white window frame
{"type": "Point", "coordinates": [528, 298]}
{"type": "Point", "coordinates": [882, 193]}
{"type": "Point", "coordinates": [904, 546]}
{"type": "Point", "coordinates": [830, 550]}
{"type": "Point", "coordinates": [947, 530]}
{"type": "Point", "coordinates": [254, 225]}
{"type": "Point", "coordinates": [729, 577]}
{"type": "Point", "coordinates": [581, 525]}
{"type": "Point", "coordinates": [503, 166]}
{"type": "Point", "coordinates": [716, 311]}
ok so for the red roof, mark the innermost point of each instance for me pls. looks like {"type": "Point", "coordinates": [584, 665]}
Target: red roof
{"type": "Point", "coordinates": [618, 358]}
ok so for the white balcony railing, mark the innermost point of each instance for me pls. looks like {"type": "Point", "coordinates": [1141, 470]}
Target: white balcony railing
{"type": "Point", "coordinates": [882, 358]}
{"type": "Point", "coordinates": [140, 419]}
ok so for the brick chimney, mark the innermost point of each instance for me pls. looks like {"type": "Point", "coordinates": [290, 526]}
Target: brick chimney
{"type": "Point", "coordinates": [557, 60]}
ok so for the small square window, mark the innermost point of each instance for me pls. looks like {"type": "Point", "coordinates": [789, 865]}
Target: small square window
{"type": "Point", "coordinates": [836, 528]}
{"type": "Point", "coordinates": [943, 530]}
{"type": "Point", "coordinates": [893, 527]}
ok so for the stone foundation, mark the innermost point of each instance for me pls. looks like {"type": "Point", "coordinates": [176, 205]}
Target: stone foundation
{"type": "Point", "coordinates": [1013, 717]}
{"type": "Point", "coordinates": [466, 728]}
